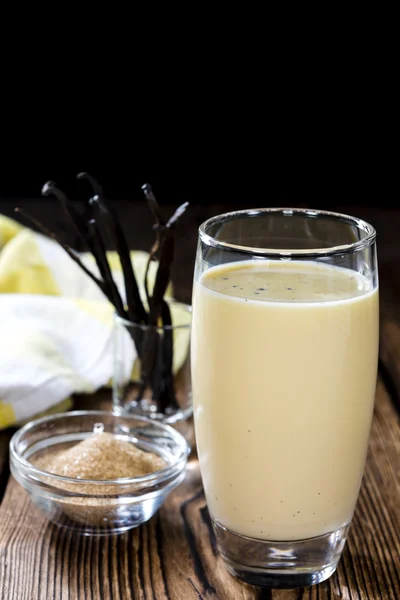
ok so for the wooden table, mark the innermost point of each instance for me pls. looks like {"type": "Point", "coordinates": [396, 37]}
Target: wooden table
{"type": "Point", "coordinates": [174, 555]}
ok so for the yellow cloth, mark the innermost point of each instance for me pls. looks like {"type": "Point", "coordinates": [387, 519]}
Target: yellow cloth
{"type": "Point", "coordinates": [56, 325]}
{"type": "Point", "coordinates": [8, 230]}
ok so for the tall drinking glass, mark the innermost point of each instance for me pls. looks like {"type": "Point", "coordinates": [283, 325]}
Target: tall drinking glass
{"type": "Point", "coordinates": [284, 363]}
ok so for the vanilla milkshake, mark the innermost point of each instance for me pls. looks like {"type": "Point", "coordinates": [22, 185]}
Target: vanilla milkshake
{"type": "Point", "coordinates": [284, 363]}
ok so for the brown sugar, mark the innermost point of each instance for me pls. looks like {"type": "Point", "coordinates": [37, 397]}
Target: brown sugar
{"type": "Point", "coordinates": [102, 456]}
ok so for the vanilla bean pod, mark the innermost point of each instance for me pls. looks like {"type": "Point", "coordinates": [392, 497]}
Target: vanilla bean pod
{"type": "Point", "coordinates": [155, 209]}
{"type": "Point", "coordinates": [78, 220]}
{"type": "Point", "coordinates": [89, 233]}
{"type": "Point", "coordinates": [152, 255]}
{"type": "Point", "coordinates": [157, 360]}
{"type": "Point", "coordinates": [100, 254]}
{"type": "Point", "coordinates": [150, 356]}
{"type": "Point", "coordinates": [156, 381]}
{"type": "Point", "coordinates": [166, 246]}
{"type": "Point", "coordinates": [164, 243]}
{"type": "Point", "coordinates": [152, 367]}
{"type": "Point", "coordinates": [105, 211]}
{"type": "Point", "coordinates": [167, 396]}
{"type": "Point", "coordinates": [71, 253]}
{"type": "Point", "coordinates": [177, 215]}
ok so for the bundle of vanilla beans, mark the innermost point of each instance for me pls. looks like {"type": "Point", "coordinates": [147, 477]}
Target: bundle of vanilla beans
{"type": "Point", "coordinates": [97, 221]}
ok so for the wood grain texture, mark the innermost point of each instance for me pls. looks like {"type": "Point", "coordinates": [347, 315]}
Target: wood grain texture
{"type": "Point", "coordinates": [174, 556]}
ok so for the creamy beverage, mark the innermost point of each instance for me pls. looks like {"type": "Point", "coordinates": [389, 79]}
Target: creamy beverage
{"type": "Point", "coordinates": [284, 363]}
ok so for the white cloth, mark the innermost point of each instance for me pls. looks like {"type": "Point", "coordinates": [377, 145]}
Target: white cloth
{"type": "Point", "coordinates": [50, 348]}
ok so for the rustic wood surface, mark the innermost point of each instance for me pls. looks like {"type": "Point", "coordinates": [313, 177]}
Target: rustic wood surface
{"type": "Point", "coordinates": [174, 555]}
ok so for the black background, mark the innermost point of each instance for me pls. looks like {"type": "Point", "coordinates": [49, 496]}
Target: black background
{"type": "Point", "coordinates": [202, 171]}
{"type": "Point", "coordinates": [205, 145]}
{"type": "Point", "coordinates": [209, 108]}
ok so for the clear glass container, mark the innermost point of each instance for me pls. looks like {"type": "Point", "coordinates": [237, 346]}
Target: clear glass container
{"type": "Point", "coordinates": [96, 507]}
{"type": "Point", "coordinates": [284, 365]}
{"type": "Point", "coordinates": [152, 375]}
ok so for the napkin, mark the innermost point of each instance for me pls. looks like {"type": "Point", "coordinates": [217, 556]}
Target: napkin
{"type": "Point", "coordinates": [56, 326]}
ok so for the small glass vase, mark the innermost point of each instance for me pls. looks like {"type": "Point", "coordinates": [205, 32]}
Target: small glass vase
{"type": "Point", "coordinates": [152, 370]}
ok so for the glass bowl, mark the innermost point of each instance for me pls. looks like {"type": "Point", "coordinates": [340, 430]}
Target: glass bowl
{"type": "Point", "coordinates": [97, 507]}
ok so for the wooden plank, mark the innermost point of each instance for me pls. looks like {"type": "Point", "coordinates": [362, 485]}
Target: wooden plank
{"type": "Point", "coordinates": [174, 556]}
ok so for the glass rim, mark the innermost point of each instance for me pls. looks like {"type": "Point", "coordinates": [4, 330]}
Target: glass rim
{"type": "Point", "coordinates": [361, 224]}
{"type": "Point", "coordinates": [131, 324]}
